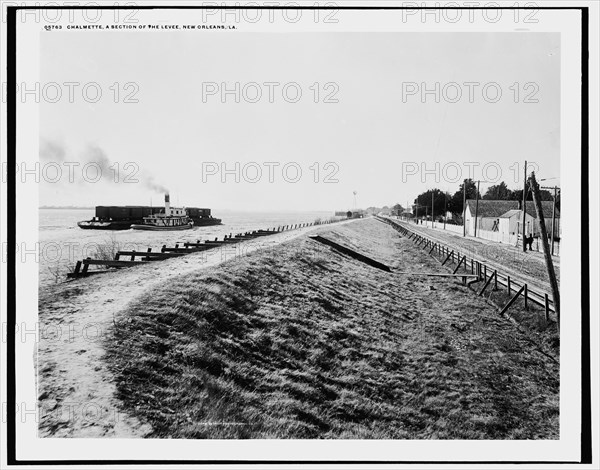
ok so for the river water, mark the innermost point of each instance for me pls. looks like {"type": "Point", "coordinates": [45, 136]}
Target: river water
{"type": "Point", "coordinates": [63, 243]}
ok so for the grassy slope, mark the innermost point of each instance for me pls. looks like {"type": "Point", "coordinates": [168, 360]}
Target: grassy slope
{"type": "Point", "coordinates": [302, 342]}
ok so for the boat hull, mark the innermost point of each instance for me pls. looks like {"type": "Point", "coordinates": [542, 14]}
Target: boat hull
{"type": "Point", "coordinates": [160, 229]}
{"type": "Point", "coordinates": [108, 225]}
{"type": "Point", "coordinates": [123, 217]}
{"type": "Point", "coordinates": [205, 222]}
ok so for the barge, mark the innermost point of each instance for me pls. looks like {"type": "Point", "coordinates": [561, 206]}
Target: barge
{"type": "Point", "coordinates": [123, 217]}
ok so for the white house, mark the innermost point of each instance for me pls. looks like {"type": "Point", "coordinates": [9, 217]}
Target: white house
{"type": "Point", "coordinates": [488, 213]}
{"type": "Point", "coordinates": [510, 222]}
{"type": "Point", "coordinates": [505, 217]}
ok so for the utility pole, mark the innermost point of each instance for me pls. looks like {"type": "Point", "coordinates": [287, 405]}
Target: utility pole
{"type": "Point", "coordinates": [553, 219]}
{"type": "Point", "coordinates": [464, 208]}
{"type": "Point", "coordinates": [476, 207]}
{"type": "Point", "coordinates": [432, 208]}
{"type": "Point", "coordinates": [555, 189]}
{"type": "Point", "coordinates": [445, 209]}
{"type": "Point", "coordinates": [417, 212]}
{"type": "Point", "coordinates": [524, 204]}
{"type": "Point", "coordinates": [535, 189]}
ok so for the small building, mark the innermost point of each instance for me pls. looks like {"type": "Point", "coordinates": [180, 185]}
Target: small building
{"type": "Point", "coordinates": [510, 222]}
{"type": "Point", "coordinates": [547, 207]}
{"type": "Point", "coordinates": [506, 217]}
{"type": "Point", "coordinates": [488, 213]}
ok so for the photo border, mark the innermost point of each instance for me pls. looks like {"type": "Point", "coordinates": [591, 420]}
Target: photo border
{"type": "Point", "coordinates": [586, 421]}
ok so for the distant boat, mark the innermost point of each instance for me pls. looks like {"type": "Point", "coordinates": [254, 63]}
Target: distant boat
{"type": "Point", "coordinates": [170, 219]}
{"type": "Point", "coordinates": [123, 217]}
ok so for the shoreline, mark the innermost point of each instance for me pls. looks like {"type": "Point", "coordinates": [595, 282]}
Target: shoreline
{"type": "Point", "coordinates": [302, 291]}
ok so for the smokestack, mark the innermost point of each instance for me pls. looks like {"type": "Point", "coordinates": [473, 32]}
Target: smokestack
{"type": "Point", "coordinates": [167, 206]}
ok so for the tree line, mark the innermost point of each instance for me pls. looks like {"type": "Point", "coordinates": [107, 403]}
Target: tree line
{"type": "Point", "coordinates": [445, 201]}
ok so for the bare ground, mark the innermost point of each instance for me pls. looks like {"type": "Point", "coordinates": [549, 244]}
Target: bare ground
{"type": "Point", "coordinates": [303, 342]}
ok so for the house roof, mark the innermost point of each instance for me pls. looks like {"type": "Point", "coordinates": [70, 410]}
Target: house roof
{"type": "Point", "coordinates": [546, 208]}
{"type": "Point", "coordinates": [510, 214]}
{"type": "Point", "coordinates": [493, 208]}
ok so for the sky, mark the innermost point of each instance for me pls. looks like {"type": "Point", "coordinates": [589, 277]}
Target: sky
{"type": "Point", "coordinates": [377, 136]}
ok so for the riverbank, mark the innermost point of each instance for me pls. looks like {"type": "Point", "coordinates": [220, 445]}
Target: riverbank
{"type": "Point", "coordinates": [300, 341]}
{"type": "Point", "coordinates": [76, 390]}
{"type": "Point", "coordinates": [63, 243]}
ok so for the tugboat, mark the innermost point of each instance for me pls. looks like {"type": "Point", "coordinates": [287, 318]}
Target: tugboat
{"type": "Point", "coordinates": [170, 219]}
{"type": "Point", "coordinates": [123, 217]}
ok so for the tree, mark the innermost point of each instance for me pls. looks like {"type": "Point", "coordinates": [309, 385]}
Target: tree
{"type": "Point", "coordinates": [397, 209]}
{"type": "Point", "coordinates": [517, 195]}
{"type": "Point", "coordinates": [455, 204]}
{"type": "Point", "coordinates": [498, 192]}
{"type": "Point", "coordinates": [423, 200]}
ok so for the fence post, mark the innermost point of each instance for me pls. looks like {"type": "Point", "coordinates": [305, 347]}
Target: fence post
{"type": "Point", "coordinates": [85, 266]}
{"type": "Point", "coordinates": [512, 301]}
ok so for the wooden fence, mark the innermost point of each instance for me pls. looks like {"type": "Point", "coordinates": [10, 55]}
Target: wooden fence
{"type": "Point", "coordinates": [136, 258]}
{"type": "Point", "coordinates": [483, 272]}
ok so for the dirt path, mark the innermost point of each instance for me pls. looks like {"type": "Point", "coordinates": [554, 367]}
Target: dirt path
{"type": "Point", "coordinates": [76, 391]}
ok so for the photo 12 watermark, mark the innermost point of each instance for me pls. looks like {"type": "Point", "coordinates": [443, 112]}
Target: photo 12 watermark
{"type": "Point", "coordinates": [269, 172]}
{"type": "Point", "coordinates": [470, 92]}
{"type": "Point", "coordinates": [74, 92]}
{"type": "Point", "coordinates": [455, 172]}
{"type": "Point", "coordinates": [270, 92]}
